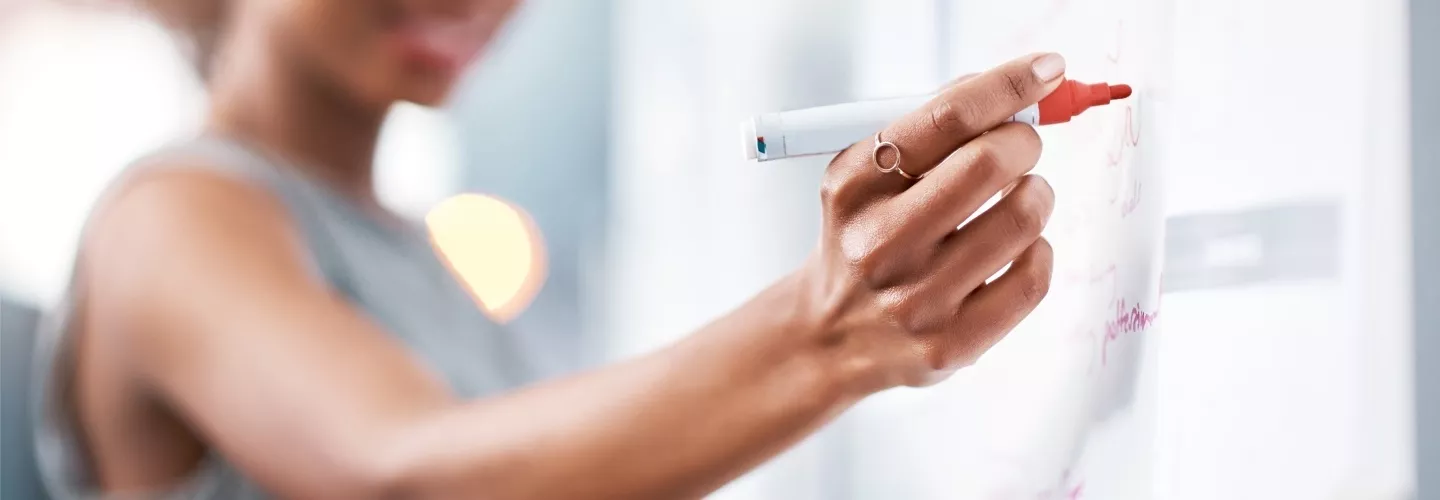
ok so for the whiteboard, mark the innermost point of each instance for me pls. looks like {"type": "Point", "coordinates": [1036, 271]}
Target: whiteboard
{"type": "Point", "coordinates": [1070, 394]}
{"type": "Point", "coordinates": [1291, 389]}
{"type": "Point", "coordinates": [1249, 121]}
{"type": "Point", "coordinates": [1051, 410]}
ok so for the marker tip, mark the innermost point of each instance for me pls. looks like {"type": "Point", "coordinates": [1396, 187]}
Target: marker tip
{"type": "Point", "coordinates": [1120, 91]}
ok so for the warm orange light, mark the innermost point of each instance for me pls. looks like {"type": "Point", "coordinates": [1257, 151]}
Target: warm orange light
{"type": "Point", "coordinates": [495, 249]}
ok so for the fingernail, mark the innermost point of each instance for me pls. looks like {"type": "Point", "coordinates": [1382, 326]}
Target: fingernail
{"type": "Point", "coordinates": [1048, 67]}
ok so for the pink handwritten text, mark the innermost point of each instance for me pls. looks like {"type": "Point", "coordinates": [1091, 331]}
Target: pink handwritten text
{"type": "Point", "coordinates": [1129, 318]}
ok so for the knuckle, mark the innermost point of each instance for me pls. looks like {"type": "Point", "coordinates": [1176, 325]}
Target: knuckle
{"type": "Point", "coordinates": [839, 189]}
{"type": "Point", "coordinates": [945, 117]}
{"type": "Point", "coordinates": [904, 310]}
{"type": "Point", "coordinates": [911, 319]}
{"type": "Point", "coordinates": [1032, 203]}
{"type": "Point", "coordinates": [959, 115]}
{"type": "Point", "coordinates": [936, 358]}
{"type": "Point", "coordinates": [1036, 285]}
{"type": "Point", "coordinates": [832, 187]}
{"type": "Point", "coordinates": [1025, 216]}
{"type": "Point", "coordinates": [985, 161]}
{"type": "Point", "coordinates": [864, 253]}
{"type": "Point", "coordinates": [956, 350]}
{"type": "Point", "coordinates": [892, 303]}
{"type": "Point", "coordinates": [886, 266]}
{"type": "Point", "coordinates": [1016, 86]}
{"type": "Point", "coordinates": [1038, 275]}
{"type": "Point", "coordinates": [871, 272]}
{"type": "Point", "coordinates": [896, 306]}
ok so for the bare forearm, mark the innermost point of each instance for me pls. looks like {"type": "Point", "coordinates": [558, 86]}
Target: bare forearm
{"type": "Point", "coordinates": [678, 423]}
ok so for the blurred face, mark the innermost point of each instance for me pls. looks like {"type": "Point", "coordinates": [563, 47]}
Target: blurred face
{"type": "Point", "coordinates": [377, 51]}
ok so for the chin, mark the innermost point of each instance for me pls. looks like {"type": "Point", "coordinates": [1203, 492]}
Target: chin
{"type": "Point", "coordinates": [428, 99]}
{"type": "Point", "coordinates": [426, 91]}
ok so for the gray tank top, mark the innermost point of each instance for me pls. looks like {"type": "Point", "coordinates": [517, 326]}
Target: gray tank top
{"type": "Point", "coordinates": [386, 268]}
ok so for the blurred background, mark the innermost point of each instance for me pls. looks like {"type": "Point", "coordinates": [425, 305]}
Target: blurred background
{"type": "Point", "coordinates": [594, 153]}
{"type": "Point", "coordinates": [594, 149]}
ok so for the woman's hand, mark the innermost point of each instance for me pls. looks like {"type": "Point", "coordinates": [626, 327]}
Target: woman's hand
{"type": "Point", "coordinates": [896, 294]}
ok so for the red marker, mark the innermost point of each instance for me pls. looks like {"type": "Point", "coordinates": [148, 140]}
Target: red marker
{"type": "Point", "coordinates": [830, 129]}
{"type": "Point", "coordinates": [1071, 99]}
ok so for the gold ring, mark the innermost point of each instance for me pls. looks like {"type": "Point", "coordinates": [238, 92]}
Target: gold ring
{"type": "Point", "coordinates": [875, 154]}
{"type": "Point", "coordinates": [902, 173]}
{"type": "Point", "coordinates": [894, 167]}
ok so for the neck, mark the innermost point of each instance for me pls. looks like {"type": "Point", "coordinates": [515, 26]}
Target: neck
{"type": "Point", "coordinates": [286, 110]}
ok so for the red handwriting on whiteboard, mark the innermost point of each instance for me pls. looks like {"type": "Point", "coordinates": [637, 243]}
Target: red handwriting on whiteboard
{"type": "Point", "coordinates": [1128, 319]}
{"type": "Point", "coordinates": [1132, 201]}
{"type": "Point", "coordinates": [1129, 138]}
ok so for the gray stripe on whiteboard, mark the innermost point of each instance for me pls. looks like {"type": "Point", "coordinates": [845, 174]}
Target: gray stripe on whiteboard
{"type": "Point", "coordinates": [1425, 195]}
{"type": "Point", "coordinates": [1282, 243]}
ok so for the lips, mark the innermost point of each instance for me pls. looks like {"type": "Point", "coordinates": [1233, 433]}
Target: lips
{"type": "Point", "coordinates": [441, 43]}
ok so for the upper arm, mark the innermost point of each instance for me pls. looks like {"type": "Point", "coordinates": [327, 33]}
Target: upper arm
{"type": "Point", "coordinates": [226, 321]}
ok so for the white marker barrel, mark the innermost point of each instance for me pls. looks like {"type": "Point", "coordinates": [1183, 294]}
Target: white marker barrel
{"type": "Point", "coordinates": [831, 129]}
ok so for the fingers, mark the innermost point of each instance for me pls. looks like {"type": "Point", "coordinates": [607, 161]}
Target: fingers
{"type": "Point", "coordinates": [962, 183]}
{"type": "Point", "coordinates": [892, 240]}
{"type": "Point", "coordinates": [995, 309]}
{"type": "Point", "coordinates": [898, 236]}
{"type": "Point", "coordinates": [994, 239]}
{"type": "Point", "coordinates": [934, 285]}
{"type": "Point", "coordinates": [974, 104]}
{"type": "Point", "coordinates": [964, 111]}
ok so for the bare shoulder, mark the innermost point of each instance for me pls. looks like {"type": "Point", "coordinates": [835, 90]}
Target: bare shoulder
{"type": "Point", "coordinates": [166, 212]}
{"type": "Point", "coordinates": [172, 232]}
{"type": "Point", "coordinates": [202, 297]}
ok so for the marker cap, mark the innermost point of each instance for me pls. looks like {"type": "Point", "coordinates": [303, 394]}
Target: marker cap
{"type": "Point", "coordinates": [767, 136]}
{"type": "Point", "coordinates": [748, 139]}
{"type": "Point", "coordinates": [1073, 98]}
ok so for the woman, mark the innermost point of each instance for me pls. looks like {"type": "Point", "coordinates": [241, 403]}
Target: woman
{"type": "Point", "coordinates": [246, 321]}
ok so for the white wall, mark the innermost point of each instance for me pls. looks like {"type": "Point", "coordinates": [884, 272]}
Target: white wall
{"type": "Point", "coordinates": [695, 230]}
{"type": "Point", "coordinates": [1294, 390]}
{"type": "Point", "coordinates": [85, 90]}
{"type": "Point", "coordinates": [82, 92]}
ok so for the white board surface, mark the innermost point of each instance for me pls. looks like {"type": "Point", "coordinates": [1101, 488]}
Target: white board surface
{"type": "Point", "coordinates": [1283, 386]}
{"type": "Point", "coordinates": [1071, 392]}
{"type": "Point", "coordinates": [1288, 389]}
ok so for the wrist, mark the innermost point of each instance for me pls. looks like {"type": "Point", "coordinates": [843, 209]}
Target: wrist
{"type": "Point", "coordinates": [787, 340]}
{"type": "Point", "coordinates": [816, 338]}
{"type": "Point", "coordinates": [767, 349]}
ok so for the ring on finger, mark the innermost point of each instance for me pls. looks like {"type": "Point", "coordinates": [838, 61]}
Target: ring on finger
{"type": "Point", "coordinates": [893, 167]}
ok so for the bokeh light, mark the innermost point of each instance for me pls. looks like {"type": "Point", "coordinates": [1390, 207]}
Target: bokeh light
{"type": "Point", "coordinates": [495, 249]}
